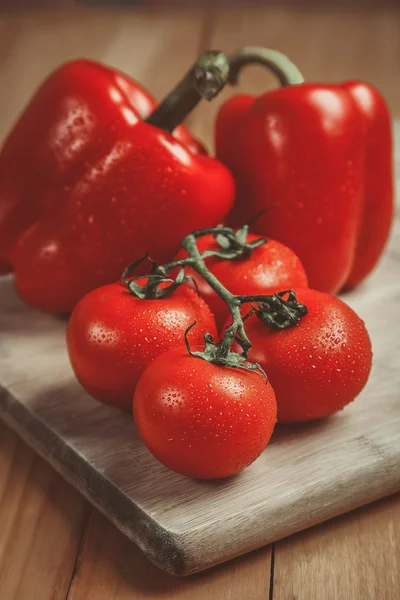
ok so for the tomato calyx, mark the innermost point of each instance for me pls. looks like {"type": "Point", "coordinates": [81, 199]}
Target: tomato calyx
{"type": "Point", "coordinates": [234, 244]}
{"type": "Point", "coordinates": [152, 289]}
{"type": "Point", "coordinates": [221, 354]}
{"type": "Point", "coordinates": [279, 311]}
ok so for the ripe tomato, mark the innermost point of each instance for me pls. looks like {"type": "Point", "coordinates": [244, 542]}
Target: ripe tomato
{"type": "Point", "coordinates": [317, 367]}
{"type": "Point", "coordinates": [271, 268]}
{"type": "Point", "coordinates": [200, 419]}
{"type": "Point", "coordinates": [112, 336]}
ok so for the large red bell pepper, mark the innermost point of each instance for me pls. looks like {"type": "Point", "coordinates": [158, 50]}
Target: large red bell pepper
{"type": "Point", "coordinates": [86, 185]}
{"type": "Point", "coordinates": [320, 157]}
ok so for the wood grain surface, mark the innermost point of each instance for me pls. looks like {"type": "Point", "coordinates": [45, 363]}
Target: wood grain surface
{"type": "Point", "coordinates": [328, 44]}
{"type": "Point", "coordinates": [363, 547]}
{"type": "Point", "coordinates": [41, 520]}
{"type": "Point", "coordinates": [114, 569]}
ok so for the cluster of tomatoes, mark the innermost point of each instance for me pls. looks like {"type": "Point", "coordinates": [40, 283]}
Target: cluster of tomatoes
{"type": "Point", "coordinates": [198, 414]}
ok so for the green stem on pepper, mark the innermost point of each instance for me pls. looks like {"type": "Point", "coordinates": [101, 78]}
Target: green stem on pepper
{"type": "Point", "coordinates": [278, 63]}
{"type": "Point", "coordinates": [205, 79]}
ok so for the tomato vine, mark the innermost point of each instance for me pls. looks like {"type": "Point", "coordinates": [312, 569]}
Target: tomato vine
{"type": "Point", "coordinates": [278, 311]}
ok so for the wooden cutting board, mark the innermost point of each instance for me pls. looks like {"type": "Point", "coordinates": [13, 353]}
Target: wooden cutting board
{"type": "Point", "coordinates": [306, 475]}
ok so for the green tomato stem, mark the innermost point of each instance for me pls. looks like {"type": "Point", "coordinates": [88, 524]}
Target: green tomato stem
{"type": "Point", "coordinates": [233, 302]}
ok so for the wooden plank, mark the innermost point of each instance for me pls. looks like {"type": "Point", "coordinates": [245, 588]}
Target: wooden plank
{"type": "Point", "coordinates": [327, 43]}
{"type": "Point", "coordinates": [356, 557]}
{"type": "Point", "coordinates": [111, 568]}
{"type": "Point", "coordinates": [41, 522]}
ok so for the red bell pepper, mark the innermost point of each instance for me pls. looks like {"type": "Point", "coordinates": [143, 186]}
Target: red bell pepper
{"type": "Point", "coordinates": [86, 185]}
{"type": "Point", "coordinates": [320, 156]}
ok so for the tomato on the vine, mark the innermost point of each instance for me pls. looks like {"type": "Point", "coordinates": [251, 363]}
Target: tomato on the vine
{"type": "Point", "coordinates": [320, 365]}
{"type": "Point", "coordinates": [270, 268]}
{"type": "Point", "coordinates": [113, 336]}
{"type": "Point", "coordinates": [201, 419]}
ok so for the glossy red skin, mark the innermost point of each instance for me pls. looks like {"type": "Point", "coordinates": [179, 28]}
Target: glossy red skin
{"type": "Point", "coordinates": [311, 151]}
{"type": "Point", "coordinates": [203, 420]}
{"type": "Point", "coordinates": [26, 141]}
{"type": "Point", "coordinates": [113, 336]}
{"type": "Point", "coordinates": [378, 206]}
{"type": "Point", "coordinates": [271, 268]}
{"type": "Point", "coordinates": [317, 367]}
{"type": "Point", "coordinates": [86, 186]}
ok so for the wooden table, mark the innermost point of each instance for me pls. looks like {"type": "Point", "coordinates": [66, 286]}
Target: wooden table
{"type": "Point", "coordinates": [53, 545]}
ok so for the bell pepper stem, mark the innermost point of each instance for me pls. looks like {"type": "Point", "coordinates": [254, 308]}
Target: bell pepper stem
{"type": "Point", "coordinates": [205, 79]}
{"type": "Point", "coordinates": [286, 71]}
